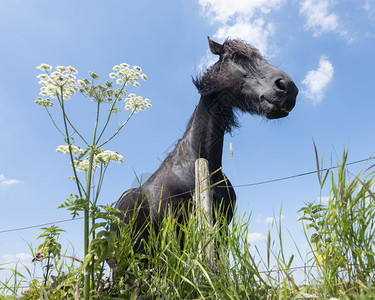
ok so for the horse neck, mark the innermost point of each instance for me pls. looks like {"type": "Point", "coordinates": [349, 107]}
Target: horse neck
{"type": "Point", "coordinates": [205, 133]}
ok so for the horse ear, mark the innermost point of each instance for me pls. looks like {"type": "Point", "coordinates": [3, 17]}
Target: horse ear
{"type": "Point", "coordinates": [215, 48]}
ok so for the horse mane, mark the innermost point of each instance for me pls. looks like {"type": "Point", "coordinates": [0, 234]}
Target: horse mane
{"type": "Point", "coordinates": [213, 79]}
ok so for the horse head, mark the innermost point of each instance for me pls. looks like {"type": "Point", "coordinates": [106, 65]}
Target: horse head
{"type": "Point", "coordinates": [248, 81]}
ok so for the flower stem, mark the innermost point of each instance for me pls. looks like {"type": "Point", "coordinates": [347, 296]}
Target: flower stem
{"type": "Point", "coordinates": [53, 121]}
{"type": "Point", "coordinates": [68, 142]}
{"type": "Point", "coordinates": [87, 208]}
{"type": "Point", "coordinates": [110, 113]}
{"type": "Point", "coordinates": [87, 192]}
{"type": "Point", "coordinates": [76, 131]}
{"type": "Point", "coordinates": [117, 131]}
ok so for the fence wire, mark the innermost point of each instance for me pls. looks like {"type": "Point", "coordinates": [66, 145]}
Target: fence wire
{"type": "Point", "coordinates": [191, 191]}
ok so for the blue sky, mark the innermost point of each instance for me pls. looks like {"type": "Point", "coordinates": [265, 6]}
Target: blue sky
{"type": "Point", "coordinates": [327, 47]}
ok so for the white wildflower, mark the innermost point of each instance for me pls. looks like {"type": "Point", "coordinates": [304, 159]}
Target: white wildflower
{"type": "Point", "coordinates": [136, 103]}
{"type": "Point", "coordinates": [82, 83]}
{"type": "Point", "coordinates": [65, 149]}
{"type": "Point", "coordinates": [70, 76]}
{"type": "Point", "coordinates": [44, 93]}
{"type": "Point", "coordinates": [42, 76]}
{"type": "Point", "coordinates": [129, 75]}
{"type": "Point", "coordinates": [93, 75]}
{"type": "Point", "coordinates": [61, 68]}
{"type": "Point", "coordinates": [83, 166]}
{"type": "Point", "coordinates": [59, 82]}
{"type": "Point", "coordinates": [106, 156]}
{"type": "Point", "coordinates": [50, 90]}
{"type": "Point", "coordinates": [44, 102]}
{"type": "Point", "coordinates": [62, 84]}
{"type": "Point", "coordinates": [72, 70]}
{"type": "Point", "coordinates": [56, 74]}
{"type": "Point", "coordinates": [44, 67]}
{"type": "Point", "coordinates": [115, 110]}
{"type": "Point", "coordinates": [69, 91]}
{"type": "Point", "coordinates": [147, 102]}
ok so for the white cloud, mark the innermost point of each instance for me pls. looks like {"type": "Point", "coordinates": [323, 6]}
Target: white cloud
{"type": "Point", "coordinates": [319, 20]}
{"type": "Point", "coordinates": [271, 220]}
{"type": "Point", "coordinates": [316, 81]}
{"type": "Point", "coordinates": [255, 237]}
{"type": "Point", "coordinates": [4, 182]}
{"type": "Point", "coordinates": [268, 220]}
{"type": "Point", "coordinates": [257, 32]}
{"type": "Point", "coordinates": [19, 258]}
{"type": "Point", "coordinates": [323, 199]}
{"type": "Point", "coordinates": [224, 10]}
{"type": "Point", "coordinates": [242, 19]}
{"type": "Point", "coordinates": [369, 8]}
{"type": "Point", "coordinates": [368, 5]}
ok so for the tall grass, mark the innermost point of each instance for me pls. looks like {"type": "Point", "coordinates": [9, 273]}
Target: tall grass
{"type": "Point", "coordinates": [343, 241]}
{"type": "Point", "coordinates": [30, 283]}
{"type": "Point", "coordinates": [173, 264]}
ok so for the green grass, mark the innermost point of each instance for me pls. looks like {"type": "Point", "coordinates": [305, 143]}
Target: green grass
{"type": "Point", "coordinates": [340, 264]}
{"type": "Point", "coordinates": [344, 237]}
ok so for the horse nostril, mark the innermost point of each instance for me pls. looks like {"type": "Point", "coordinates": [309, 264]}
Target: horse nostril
{"type": "Point", "coordinates": [281, 84]}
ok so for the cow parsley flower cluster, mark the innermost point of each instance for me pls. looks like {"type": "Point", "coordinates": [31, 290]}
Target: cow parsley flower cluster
{"type": "Point", "coordinates": [60, 83]}
{"type": "Point", "coordinates": [107, 156]}
{"type": "Point", "coordinates": [103, 94]}
{"type": "Point", "coordinates": [84, 165]}
{"type": "Point", "coordinates": [136, 103]}
{"type": "Point", "coordinates": [125, 75]}
{"type": "Point", "coordinates": [65, 149]}
{"type": "Point", "coordinates": [101, 157]}
{"type": "Point", "coordinates": [44, 102]}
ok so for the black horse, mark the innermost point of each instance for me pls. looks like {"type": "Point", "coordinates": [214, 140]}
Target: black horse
{"type": "Point", "coordinates": [241, 80]}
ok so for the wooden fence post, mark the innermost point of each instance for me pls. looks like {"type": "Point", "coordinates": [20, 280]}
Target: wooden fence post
{"type": "Point", "coordinates": [203, 197]}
